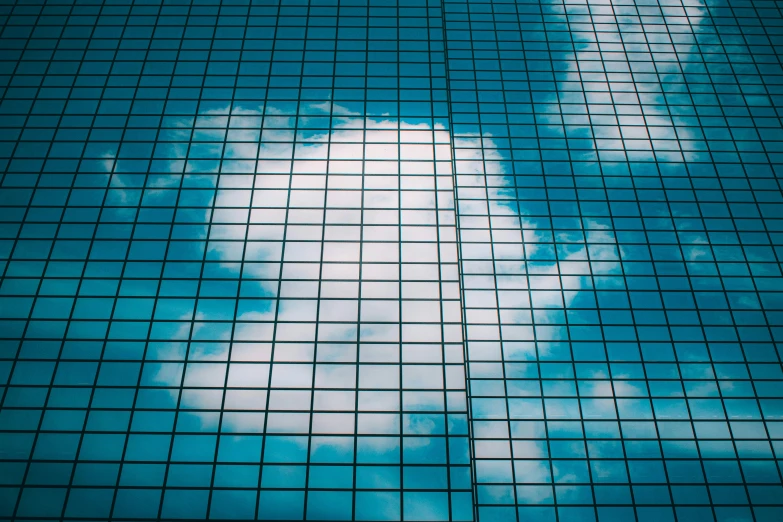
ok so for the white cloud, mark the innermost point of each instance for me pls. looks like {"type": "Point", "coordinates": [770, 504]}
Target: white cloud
{"type": "Point", "coordinates": [389, 148]}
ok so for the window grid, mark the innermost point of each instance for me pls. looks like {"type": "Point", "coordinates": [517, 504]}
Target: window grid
{"type": "Point", "coordinates": [243, 242]}
{"type": "Point", "coordinates": [615, 170]}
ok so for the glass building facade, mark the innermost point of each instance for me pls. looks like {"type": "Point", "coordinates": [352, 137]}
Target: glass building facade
{"type": "Point", "coordinates": [445, 260]}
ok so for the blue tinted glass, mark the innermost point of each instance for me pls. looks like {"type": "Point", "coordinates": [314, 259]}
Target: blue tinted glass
{"type": "Point", "coordinates": [374, 260]}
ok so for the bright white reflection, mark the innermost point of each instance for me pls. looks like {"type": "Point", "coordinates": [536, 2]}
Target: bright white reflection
{"type": "Point", "coordinates": [344, 241]}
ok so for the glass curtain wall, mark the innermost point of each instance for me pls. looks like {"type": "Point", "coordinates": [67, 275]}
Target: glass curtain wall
{"type": "Point", "coordinates": [230, 286]}
{"type": "Point", "coordinates": [494, 260]}
{"type": "Point", "coordinates": [619, 207]}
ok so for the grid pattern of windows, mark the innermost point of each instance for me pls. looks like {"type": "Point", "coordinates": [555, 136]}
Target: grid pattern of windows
{"type": "Point", "coordinates": [493, 260]}
{"type": "Point", "coordinates": [231, 287]}
{"type": "Point", "coordinates": [617, 168]}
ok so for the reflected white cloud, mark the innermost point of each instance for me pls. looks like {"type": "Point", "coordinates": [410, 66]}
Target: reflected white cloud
{"type": "Point", "coordinates": [317, 222]}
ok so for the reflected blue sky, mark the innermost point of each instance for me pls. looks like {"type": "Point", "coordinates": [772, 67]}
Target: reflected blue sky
{"type": "Point", "coordinates": [589, 163]}
{"type": "Point", "coordinates": [249, 307]}
{"type": "Point", "coordinates": [236, 280]}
